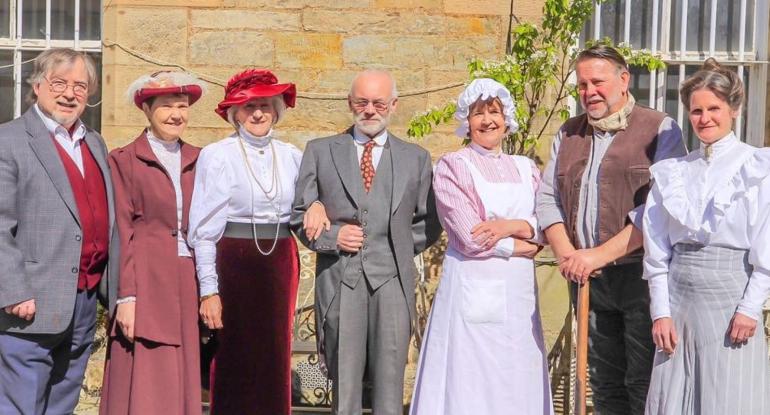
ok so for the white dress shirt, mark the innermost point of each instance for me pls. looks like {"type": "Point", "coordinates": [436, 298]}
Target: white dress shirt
{"type": "Point", "coordinates": [170, 156]}
{"type": "Point", "coordinates": [70, 144]}
{"type": "Point", "coordinates": [361, 139]}
{"type": "Point", "coordinates": [723, 201]}
{"type": "Point", "coordinates": [223, 193]}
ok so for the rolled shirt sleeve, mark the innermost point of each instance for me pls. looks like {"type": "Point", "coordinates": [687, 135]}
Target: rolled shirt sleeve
{"type": "Point", "coordinates": [548, 204]}
{"type": "Point", "coordinates": [537, 236]}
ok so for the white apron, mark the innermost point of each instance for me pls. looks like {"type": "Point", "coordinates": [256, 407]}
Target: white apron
{"type": "Point", "coordinates": [483, 350]}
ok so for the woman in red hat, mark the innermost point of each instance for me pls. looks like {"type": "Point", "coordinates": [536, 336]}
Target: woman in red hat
{"type": "Point", "coordinates": [247, 260]}
{"type": "Point", "coordinates": [153, 357]}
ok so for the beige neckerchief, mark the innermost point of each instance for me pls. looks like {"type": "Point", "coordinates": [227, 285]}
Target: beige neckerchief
{"type": "Point", "coordinates": [616, 121]}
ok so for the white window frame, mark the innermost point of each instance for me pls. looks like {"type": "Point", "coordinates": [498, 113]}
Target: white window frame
{"type": "Point", "coordinates": [755, 61]}
{"type": "Point", "coordinates": [18, 44]}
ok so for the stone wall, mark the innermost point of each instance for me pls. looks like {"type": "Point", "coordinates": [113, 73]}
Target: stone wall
{"type": "Point", "coordinates": [317, 44]}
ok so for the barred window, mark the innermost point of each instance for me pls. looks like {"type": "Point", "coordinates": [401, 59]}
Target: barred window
{"type": "Point", "coordinates": [684, 33]}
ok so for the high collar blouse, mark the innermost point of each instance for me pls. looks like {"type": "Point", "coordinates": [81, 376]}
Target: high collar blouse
{"type": "Point", "coordinates": [169, 154]}
{"type": "Point", "coordinates": [720, 201]}
{"type": "Point", "coordinates": [223, 193]}
{"type": "Point", "coordinates": [459, 206]}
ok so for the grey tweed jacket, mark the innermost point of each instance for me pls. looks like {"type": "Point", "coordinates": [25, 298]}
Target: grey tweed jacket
{"type": "Point", "coordinates": [40, 228]}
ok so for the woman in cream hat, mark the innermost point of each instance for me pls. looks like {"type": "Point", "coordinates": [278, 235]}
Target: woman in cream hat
{"type": "Point", "coordinates": [153, 357]}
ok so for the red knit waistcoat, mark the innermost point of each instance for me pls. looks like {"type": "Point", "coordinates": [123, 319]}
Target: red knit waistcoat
{"type": "Point", "coordinates": [93, 210]}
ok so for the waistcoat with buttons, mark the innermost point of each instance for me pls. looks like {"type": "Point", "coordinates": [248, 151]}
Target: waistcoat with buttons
{"type": "Point", "coordinates": [376, 260]}
{"type": "Point", "coordinates": [624, 175]}
{"type": "Point", "coordinates": [93, 212]}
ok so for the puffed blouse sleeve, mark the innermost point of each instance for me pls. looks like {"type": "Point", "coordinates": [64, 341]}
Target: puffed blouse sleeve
{"type": "Point", "coordinates": [657, 253]}
{"type": "Point", "coordinates": [758, 288]}
{"type": "Point", "coordinates": [459, 209]}
{"type": "Point", "coordinates": [208, 214]}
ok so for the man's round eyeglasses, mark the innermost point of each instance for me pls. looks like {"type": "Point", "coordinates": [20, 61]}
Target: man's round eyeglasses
{"type": "Point", "coordinates": [362, 104]}
{"type": "Point", "coordinates": [59, 86]}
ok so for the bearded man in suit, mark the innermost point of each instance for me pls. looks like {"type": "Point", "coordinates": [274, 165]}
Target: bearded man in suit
{"type": "Point", "coordinates": [377, 193]}
{"type": "Point", "coordinates": [56, 223]}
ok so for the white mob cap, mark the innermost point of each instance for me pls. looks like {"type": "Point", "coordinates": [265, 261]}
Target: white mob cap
{"type": "Point", "coordinates": [484, 88]}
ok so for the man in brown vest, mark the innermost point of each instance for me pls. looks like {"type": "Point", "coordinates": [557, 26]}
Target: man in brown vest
{"type": "Point", "coordinates": [590, 205]}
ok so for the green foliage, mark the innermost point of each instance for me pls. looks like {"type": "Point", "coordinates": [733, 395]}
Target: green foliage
{"type": "Point", "coordinates": [536, 70]}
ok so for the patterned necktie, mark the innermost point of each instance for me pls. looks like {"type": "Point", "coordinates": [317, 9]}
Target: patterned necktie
{"type": "Point", "coordinates": [367, 167]}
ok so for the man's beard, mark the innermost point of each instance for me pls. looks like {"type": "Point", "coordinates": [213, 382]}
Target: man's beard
{"type": "Point", "coordinates": [372, 129]}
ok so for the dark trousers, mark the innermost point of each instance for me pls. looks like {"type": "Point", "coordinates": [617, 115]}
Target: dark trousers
{"type": "Point", "coordinates": [620, 347]}
{"type": "Point", "coordinates": [42, 373]}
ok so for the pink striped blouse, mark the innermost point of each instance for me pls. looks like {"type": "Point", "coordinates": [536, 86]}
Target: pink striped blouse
{"type": "Point", "coordinates": [459, 206]}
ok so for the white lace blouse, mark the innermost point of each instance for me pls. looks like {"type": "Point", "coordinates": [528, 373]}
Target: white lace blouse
{"type": "Point", "coordinates": [223, 193]}
{"type": "Point", "coordinates": [723, 201]}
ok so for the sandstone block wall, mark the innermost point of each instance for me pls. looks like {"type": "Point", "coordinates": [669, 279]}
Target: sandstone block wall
{"type": "Point", "coordinates": [317, 44]}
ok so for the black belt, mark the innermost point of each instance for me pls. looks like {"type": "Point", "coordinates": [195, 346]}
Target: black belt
{"type": "Point", "coordinates": [262, 230]}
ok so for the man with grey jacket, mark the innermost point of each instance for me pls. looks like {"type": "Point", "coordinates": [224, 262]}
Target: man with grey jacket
{"type": "Point", "coordinates": [377, 193]}
{"type": "Point", "coordinates": [56, 222]}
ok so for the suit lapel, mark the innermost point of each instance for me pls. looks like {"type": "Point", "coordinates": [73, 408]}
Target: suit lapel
{"type": "Point", "coordinates": [345, 160]}
{"type": "Point", "coordinates": [42, 145]}
{"type": "Point", "coordinates": [398, 159]}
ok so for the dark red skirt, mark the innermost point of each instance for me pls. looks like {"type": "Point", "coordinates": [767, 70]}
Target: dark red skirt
{"type": "Point", "coordinates": [251, 369]}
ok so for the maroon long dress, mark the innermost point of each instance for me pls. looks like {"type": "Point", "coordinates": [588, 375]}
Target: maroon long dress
{"type": "Point", "coordinates": [251, 370]}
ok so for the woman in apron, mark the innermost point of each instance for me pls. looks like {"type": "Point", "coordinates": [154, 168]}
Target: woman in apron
{"type": "Point", "coordinates": [707, 260]}
{"type": "Point", "coordinates": [483, 350]}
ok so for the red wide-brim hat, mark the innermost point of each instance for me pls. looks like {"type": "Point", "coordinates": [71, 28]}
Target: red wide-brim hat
{"type": "Point", "coordinates": [143, 94]}
{"type": "Point", "coordinates": [251, 84]}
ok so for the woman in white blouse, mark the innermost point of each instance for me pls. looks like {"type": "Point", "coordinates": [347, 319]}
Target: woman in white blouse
{"type": "Point", "coordinates": [246, 258]}
{"type": "Point", "coordinates": [707, 260]}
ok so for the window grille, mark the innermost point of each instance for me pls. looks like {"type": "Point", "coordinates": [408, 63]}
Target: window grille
{"type": "Point", "coordinates": [685, 33]}
{"type": "Point", "coordinates": [28, 27]}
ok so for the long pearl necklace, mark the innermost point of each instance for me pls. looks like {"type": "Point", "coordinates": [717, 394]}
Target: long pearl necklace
{"type": "Point", "coordinates": [275, 200]}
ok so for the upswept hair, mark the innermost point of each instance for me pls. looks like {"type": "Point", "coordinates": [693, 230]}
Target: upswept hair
{"type": "Point", "coordinates": [52, 59]}
{"type": "Point", "coordinates": [718, 79]}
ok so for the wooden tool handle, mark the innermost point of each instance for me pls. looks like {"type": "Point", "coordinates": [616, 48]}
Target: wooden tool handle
{"type": "Point", "coordinates": [581, 386]}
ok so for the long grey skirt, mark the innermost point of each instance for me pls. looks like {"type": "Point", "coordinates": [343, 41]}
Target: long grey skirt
{"type": "Point", "coordinates": [707, 375]}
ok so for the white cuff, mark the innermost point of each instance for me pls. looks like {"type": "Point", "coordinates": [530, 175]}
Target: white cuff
{"type": "Point", "coordinates": [129, 299]}
{"type": "Point", "coordinates": [756, 294]}
{"type": "Point", "coordinates": [504, 248]}
{"type": "Point", "coordinates": [205, 264]}
{"type": "Point", "coordinates": [659, 301]}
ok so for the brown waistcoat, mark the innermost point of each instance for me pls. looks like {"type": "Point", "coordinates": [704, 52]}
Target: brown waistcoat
{"type": "Point", "coordinates": [624, 175]}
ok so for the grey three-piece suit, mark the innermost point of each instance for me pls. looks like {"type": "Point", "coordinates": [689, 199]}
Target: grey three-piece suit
{"type": "Point", "coordinates": [365, 301]}
{"type": "Point", "coordinates": [42, 361]}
